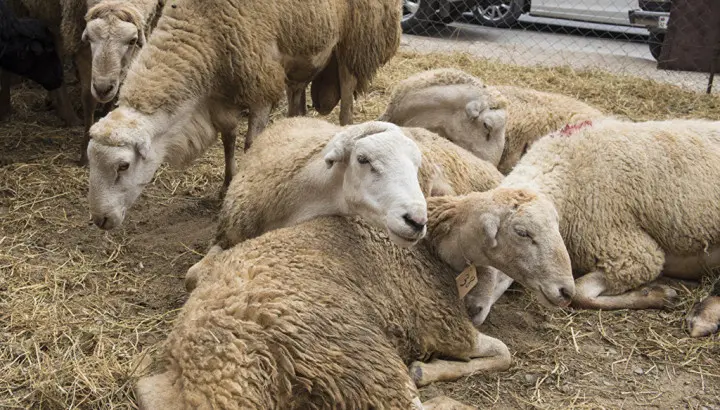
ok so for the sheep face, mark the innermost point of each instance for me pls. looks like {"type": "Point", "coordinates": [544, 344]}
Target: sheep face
{"type": "Point", "coordinates": [521, 237]}
{"type": "Point", "coordinates": [32, 54]}
{"type": "Point", "coordinates": [122, 161]}
{"type": "Point", "coordinates": [113, 43]}
{"type": "Point", "coordinates": [380, 178]}
{"type": "Point", "coordinates": [458, 113]}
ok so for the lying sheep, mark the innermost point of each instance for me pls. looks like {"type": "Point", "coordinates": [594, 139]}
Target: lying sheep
{"type": "Point", "coordinates": [185, 86]}
{"type": "Point", "coordinates": [64, 18]}
{"type": "Point", "coordinates": [328, 313]}
{"type": "Point", "coordinates": [285, 180]}
{"type": "Point", "coordinates": [461, 108]}
{"type": "Point", "coordinates": [636, 200]}
{"type": "Point", "coordinates": [27, 49]}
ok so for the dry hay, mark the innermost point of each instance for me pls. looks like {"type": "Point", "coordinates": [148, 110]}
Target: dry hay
{"type": "Point", "coordinates": [81, 308]}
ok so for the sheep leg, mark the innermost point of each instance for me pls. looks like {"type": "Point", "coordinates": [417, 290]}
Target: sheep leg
{"type": "Point", "coordinates": [489, 354]}
{"type": "Point", "coordinates": [348, 82]}
{"type": "Point", "coordinates": [296, 99]}
{"type": "Point", "coordinates": [83, 61]}
{"type": "Point", "coordinates": [259, 117]}
{"type": "Point", "coordinates": [5, 84]}
{"type": "Point", "coordinates": [704, 319]}
{"type": "Point", "coordinates": [64, 106]}
{"type": "Point", "coordinates": [590, 288]}
{"type": "Point", "coordinates": [228, 140]}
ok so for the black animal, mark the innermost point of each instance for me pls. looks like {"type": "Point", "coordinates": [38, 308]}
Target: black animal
{"type": "Point", "coordinates": [27, 49]}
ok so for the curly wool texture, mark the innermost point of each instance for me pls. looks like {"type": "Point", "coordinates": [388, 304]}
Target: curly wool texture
{"type": "Point", "coordinates": [533, 114]}
{"type": "Point", "coordinates": [629, 194]}
{"type": "Point", "coordinates": [326, 314]}
{"type": "Point", "coordinates": [269, 185]}
{"type": "Point", "coordinates": [64, 18]}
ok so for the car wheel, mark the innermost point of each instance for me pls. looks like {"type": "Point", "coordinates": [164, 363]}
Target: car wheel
{"type": "Point", "coordinates": [655, 42]}
{"type": "Point", "coordinates": [421, 16]}
{"type": "Point", "coordinates": [504, 15]}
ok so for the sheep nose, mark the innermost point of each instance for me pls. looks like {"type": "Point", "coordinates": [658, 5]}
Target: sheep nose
{"type": "Point", "coordinates": [566, 295]}
{"type": "Point", "coordinates": [103, 89]}
{"type": "Point", "coordinates": [416, 223]}
{"type": "Point", "coordinates": [100, 221]}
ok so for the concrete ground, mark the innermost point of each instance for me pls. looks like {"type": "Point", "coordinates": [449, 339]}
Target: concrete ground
{"type": "Point", "coordinates": [550, 42]}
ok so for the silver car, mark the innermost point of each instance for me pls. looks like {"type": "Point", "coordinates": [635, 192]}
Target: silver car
{"type": "Point", "coordinates": [505, 13]}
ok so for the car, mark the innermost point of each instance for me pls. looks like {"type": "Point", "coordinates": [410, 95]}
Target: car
{"type": "Point", "coordinates": [421, 16]}
{"type": "Point", "coordinates": [655, 15]}
{"type": "Point", "coordinates": [506, 13]}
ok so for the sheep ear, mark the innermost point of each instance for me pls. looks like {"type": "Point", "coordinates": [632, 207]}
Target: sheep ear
{"type": "Point", "coordinates": [142, 148]}
{"type": "Point", "coordinates": [474, 108]}
{"type": "Point", "coordinates": [490, 224]}
{"type": "Point", "coordinates": [343, 142]}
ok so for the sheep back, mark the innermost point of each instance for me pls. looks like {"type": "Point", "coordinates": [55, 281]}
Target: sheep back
{"type": "Point", "coordinates": [532, 114]}
{"type": "Point", "coordinates": [330, 312]}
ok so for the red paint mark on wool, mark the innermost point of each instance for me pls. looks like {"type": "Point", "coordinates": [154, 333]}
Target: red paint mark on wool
{"type": "Point", "coordinates": [570, 129]}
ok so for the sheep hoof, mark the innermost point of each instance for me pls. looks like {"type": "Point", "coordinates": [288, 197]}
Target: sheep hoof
{"type": "Point", "coordinates": [704, 318]}
{"type": "Point", "coordinates": [663, 293]}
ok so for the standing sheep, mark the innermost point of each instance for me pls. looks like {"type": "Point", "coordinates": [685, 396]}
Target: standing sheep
{"type": "Point", "coordinates": [461, 108]}
{"type": "Point", "coordinates": [185, 85]}
{"type": "Point", "coordinates": [328, 313]}
{"type": "Point", "coordinates": [636, 201]}
{"type": "Point", "coordinates": [27, 49]}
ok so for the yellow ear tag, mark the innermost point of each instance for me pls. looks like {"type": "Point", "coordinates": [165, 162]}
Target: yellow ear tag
{"type": "Point", "coordinates": [466, 280]}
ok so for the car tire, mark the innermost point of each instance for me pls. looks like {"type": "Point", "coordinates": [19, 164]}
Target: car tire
{"type": "Point", "coordinates": [423, 16]}
{"type": "Point", "coordinates": [655, 42]}
{"type": "Point", "coordinates": [504, 15]}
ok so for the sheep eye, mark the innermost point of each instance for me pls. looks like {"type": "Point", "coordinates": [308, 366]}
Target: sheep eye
{"type": "Point", "coordinates": [123, 166]}
{"type": "Point", "coordinates": [133, 41]}
{"type": "Point", "coordinates": [522, 233]}
{"type": "Point", "coordinates": [362, 159]}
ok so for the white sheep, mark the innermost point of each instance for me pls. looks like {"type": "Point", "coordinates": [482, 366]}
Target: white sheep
{"type": "Point", "coordinates": [203, 64]}
{"type": "Point", "coordinates": [285, 179]}
{"type": "Point", "coordinates": [328, 313]}
{"type": "Point", "coordinates": [496, 123]}
{"type": "Point", "coordinates": [636, 201]}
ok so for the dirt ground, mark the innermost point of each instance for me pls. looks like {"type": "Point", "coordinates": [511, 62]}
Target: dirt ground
{"type": "Point", "coordinates": [80, 308]}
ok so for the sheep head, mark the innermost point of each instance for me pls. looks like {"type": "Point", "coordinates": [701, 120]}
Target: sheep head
{"type": "Point", "coordinates": [379, 166]}
{"type": "Point", "coordinates": [513, 230]}
{"type": "Point", "coordinates": [122, 161]}
{"type": "Point", "coordinates": [115, 32]}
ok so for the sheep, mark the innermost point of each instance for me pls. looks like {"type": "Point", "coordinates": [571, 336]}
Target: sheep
{"type": "Point", "coordinates": [372, 42]}
{"type": "Point", "coordinates": [704, 318]}
{"type": "Point", "coordinates": [636, 201]}
{"type": "Point", "coordinates": [64, 18]}
{"type": "Point", "coordinates": [27, 49]}
{"type": "Point", "coordinates": [185, 85]}
{"type": "Point", "coordinates": [116, 30]}
{"type": "Point", "coordinates": [328, 313]}
{"type": "Point", "coordinates": [273, 185]}
{"type": "Point", "coordinates": [461, 108]}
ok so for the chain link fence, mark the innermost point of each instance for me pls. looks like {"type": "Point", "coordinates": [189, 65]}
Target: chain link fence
{"type": "Point", "coordinates": [674, 41]}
